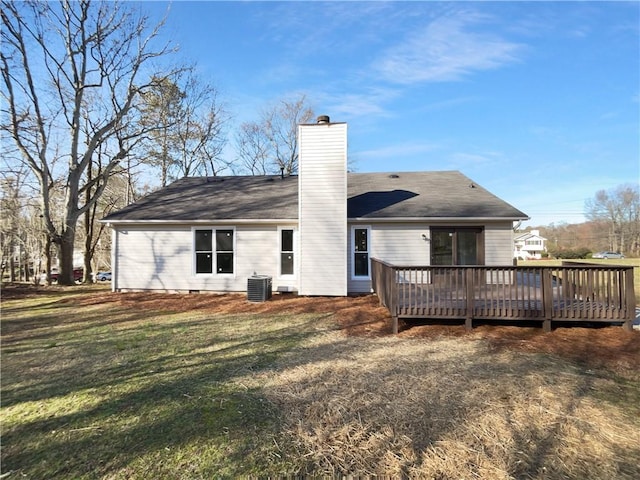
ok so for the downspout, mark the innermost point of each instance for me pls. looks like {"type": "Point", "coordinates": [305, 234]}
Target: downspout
{"type": "Point", "coordinates": [114, 257]}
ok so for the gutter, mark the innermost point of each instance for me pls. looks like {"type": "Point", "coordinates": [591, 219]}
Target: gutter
{"type": "Point", "coordinates": [434, 219]}
{"type": "Point", "coordinates": [279, 221]}
{"type": "Point", "coordinates": [226, 221]}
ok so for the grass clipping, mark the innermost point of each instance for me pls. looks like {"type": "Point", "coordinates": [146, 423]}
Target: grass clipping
{"type": "Point", "coordinates": [448, 409]}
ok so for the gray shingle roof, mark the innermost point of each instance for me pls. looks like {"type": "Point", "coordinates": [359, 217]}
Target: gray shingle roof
{"type": "Point", "coordinates": [373, 196]}
{"type": "Point", "coordinates": [446, 194]}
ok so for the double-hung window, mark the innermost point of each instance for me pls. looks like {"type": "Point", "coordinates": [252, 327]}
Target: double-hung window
{"type": "Point", "coordinates": [360, 251]}
{"type": "Point", "coordinates": [214, 250]}
{"type": "Point", "coordinates": [286, 252]}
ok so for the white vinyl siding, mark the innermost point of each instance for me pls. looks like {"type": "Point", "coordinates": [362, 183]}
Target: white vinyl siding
{"type": "Point", "coordinates": [399, 244]}
{"type": "Point", "coordinates": [323, 209]}
{"type": "Point", "coordinates": [409, 244]}
{"type": "Point", "coordinates": [498, 244]}
{"type": "Point", "coordinates": [162, 258]}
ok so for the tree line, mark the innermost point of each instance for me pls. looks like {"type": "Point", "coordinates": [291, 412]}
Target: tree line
{"type": "Point", "coordinates": [96, 113]}
{"type": "Point", "coordinates": [613, 224]}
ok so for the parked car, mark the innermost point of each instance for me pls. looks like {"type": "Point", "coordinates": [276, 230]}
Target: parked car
{"type": "Point", "coordinates": [607, 255]}
{"type": "Point", "coordinates": [103, 276]}
{"type": "Point", "coordinates": [77, 275]}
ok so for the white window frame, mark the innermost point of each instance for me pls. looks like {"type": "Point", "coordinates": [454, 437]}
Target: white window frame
{"type": "Point", "coordinates": [352, 249]}
{"type": "Point", "coordinates": [287, 276]}
{"type": "Point", "coordinates": [214, 261]}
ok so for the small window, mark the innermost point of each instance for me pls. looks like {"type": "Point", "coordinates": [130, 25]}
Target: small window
{"type": "Point", "coordinates": [360, 252]}
{"type": "Point", "coordinates": [205, 260]}
{"type": "Point", "coordinates": [224, 251]}
{"type": "Point", "coordinates": [286, 252]}
{"type": "Point", "coordinates": [204, 251]}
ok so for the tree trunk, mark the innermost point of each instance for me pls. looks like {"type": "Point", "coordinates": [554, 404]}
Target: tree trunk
{"type": "Point", "coordinates": [12, 264]}
{"type": "Point", "coordinates": [47, 256]}
{"type": "Point", "coordinates": [65, 257]}
{"type": "Point", "coordinates": [88, 269]}
{"type": "Point", "coordinates": [89, 247]}
{"type": "Point", "coordinates": [88, 235]}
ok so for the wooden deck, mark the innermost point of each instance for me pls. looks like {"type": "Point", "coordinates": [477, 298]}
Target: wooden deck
{"type": "Point", "coordinates": [571, 292]}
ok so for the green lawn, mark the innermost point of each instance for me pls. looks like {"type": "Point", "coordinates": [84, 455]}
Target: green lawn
{"type": "Point", "coordinates": [92, 391]}
{"type": "Point", "coordinates": [95, 387]}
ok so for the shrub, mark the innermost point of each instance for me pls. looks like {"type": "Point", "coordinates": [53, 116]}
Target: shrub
{"type": "Point", "coordinates": [572, 253]}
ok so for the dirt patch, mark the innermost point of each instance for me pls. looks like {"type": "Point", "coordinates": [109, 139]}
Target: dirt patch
{"type": "Point", "coordinates": [608, 346]}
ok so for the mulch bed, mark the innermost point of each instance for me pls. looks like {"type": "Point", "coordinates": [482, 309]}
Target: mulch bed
{"type": "Point", "coordinates": [608, 346]}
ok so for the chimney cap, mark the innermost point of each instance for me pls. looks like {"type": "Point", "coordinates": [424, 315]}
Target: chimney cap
{"type": "Point", "coordinates": [323, 119]}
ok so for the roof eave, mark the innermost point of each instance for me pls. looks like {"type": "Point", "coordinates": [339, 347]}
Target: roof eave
{"type": "Point", "coordinates": [436, 219]}
{"type": "Point", "coordinates": [243, 221]}
{"type": "Point", "coordinates": [246, 221]}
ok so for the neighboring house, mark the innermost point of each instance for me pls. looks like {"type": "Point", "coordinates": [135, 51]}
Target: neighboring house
{"type": "Point", "coordinates": [313, 233]}
{"type": "Point", "coordinates": [529, 245]}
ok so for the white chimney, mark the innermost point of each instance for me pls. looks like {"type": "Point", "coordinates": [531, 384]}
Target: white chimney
{"type": "Point", "coordinates": [322, 207]}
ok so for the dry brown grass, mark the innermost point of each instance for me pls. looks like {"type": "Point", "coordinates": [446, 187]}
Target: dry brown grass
{"type": "Point", "coordinates": [501, 402]}
{"type": "Point", "coordinates": [448, 408]}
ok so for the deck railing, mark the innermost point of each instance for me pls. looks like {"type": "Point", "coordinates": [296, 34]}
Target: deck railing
{"type": "Point", "coordinates": [571, 292]}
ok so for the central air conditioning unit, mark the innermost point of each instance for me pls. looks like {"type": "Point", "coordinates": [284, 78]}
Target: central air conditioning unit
{"type": "Point", "coordinates": [259, 288]}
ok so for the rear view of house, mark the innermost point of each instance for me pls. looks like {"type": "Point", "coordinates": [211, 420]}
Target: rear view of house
{"type": "Point", "coordinates": [314, 233]}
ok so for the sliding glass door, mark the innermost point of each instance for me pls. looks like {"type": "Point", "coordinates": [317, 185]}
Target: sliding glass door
{"type": "Point", "coordinates": [457, 246]}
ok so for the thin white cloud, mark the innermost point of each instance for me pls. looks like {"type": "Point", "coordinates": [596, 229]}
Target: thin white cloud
{"type": "Point", "coordinates": [364, 103]}
{"type": "Point", "coordinates": [398, 151]}
{"type": "Point", "coordinates": [470, 161]}
{"type": "Point", "coordinates": [446, 50]}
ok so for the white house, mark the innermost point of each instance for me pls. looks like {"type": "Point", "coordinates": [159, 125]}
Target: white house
{"type": "Point", "coordinates": [313, 233]}
{"type": "Point", "coordinates": [529, 245]}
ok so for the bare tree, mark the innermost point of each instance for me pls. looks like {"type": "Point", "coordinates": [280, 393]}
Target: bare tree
{"type": "Point", "coordinates": [271, 144]}
{"type": "Point", "coordinates": [73, 73]}
{"type": "Point", "coordinates": [252, 148]}
{"type": "Point", "coordinates": [21, 232]}
{"type": "Point", "coordinates": [187, 120]}
{"type": "Point", "coordinates": [160, 113]}
{"type": "Point", "coordinates": [201, 130]}
{"type": "Point", "coordinates": [9, 222]}
{"type": "Point", "coordinates": [620, 209]}
{"type": "Point", "coordinates": [93, 229]}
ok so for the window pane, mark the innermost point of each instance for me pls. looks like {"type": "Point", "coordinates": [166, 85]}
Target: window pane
{"type": "Point", "coordinates": [203, 240]}
{"type": "Point", "coordinates": [361, 265]}
{"type": "Point", "coordinates": [286, 263]}
{"type": "Point", "coordinates": [204, 263]}
{"type": "Point", "coordinates": [441, 247]}
{"type": "Point", "coordinates": [224, 240]}
{"type": "Point", "coordinates": [287, 240]}
{"type": "Point", "coordinates": [225, 262]}
{"type": "Point", "coordinates": [467, 251]}
{"type": "Point", "coordinates": [360, 238]}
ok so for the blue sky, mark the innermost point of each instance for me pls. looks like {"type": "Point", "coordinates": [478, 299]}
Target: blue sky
{"type": "Point", "coordinates": [538, 102]}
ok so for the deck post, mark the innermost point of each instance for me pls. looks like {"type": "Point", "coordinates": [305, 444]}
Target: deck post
{"type": "Point", "coordinates": [470, 304]}
{"type": "Point", "coordinates": [547, 299]}
{"type": "Point", "coordinates": [630, 300]}
{"type": "Point", "coordinates": [394, 325]}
